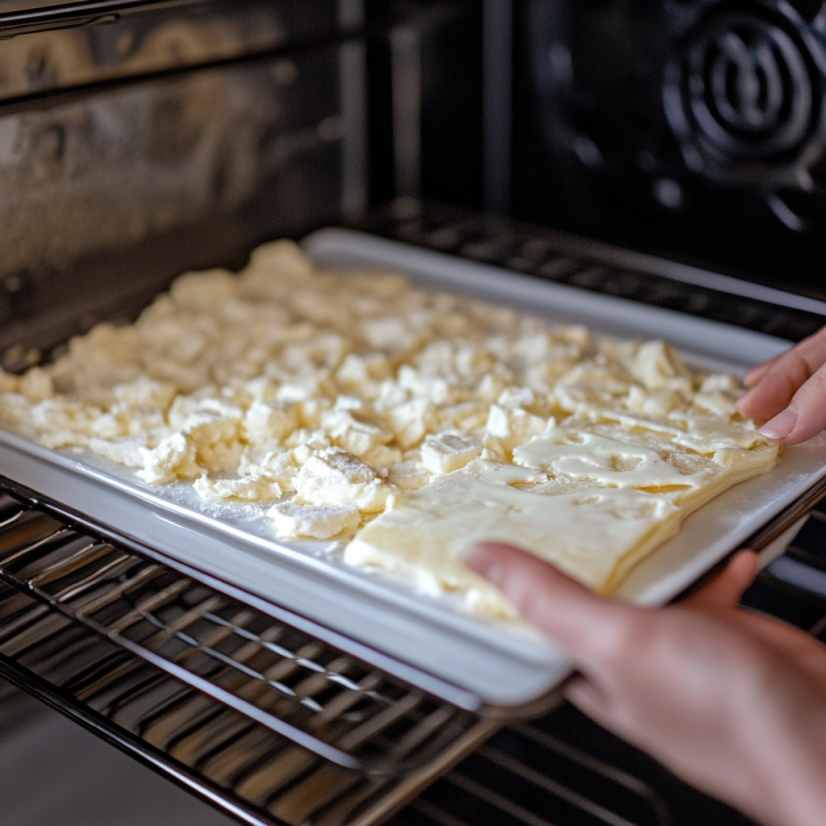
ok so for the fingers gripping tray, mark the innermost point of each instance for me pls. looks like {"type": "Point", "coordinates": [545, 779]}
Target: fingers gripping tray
{"type": "Point", "coordinates": [485, 666]}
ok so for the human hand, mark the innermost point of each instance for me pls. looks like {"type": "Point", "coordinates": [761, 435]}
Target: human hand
{"type": "Point", "coordinates": [732, 701]}
{"type": "Point", "coordinates": [789, 392]}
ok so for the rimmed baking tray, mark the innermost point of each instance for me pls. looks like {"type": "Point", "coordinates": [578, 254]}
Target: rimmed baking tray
{"type": "Point", "coordinates": [482, 666]}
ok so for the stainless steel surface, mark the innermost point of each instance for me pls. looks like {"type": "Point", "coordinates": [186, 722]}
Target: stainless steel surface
{"type": "Point", "coordinates": [174, 37]}
{"type": "Point", "coordinates": [42, 15]}
{"type": "Point", "coordinates": [201, 129]}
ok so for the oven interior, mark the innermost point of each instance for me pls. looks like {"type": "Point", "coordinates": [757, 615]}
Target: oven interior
{"type": "Point", "coordinates": [142, 139]}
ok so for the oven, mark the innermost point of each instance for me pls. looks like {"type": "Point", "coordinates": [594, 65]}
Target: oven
{"type": "Point", "coordinates": [141, 139]}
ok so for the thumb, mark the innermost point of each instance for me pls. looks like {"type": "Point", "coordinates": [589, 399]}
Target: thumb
{"type": "Point", "coordinates": [726, 589]}
{"type": "Point", "coordinates": [582, 623]}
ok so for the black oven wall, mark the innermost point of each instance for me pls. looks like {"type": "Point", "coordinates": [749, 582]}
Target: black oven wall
{"type": "Point", "coordinates": [425, 90]}
{"type": "Point", "coordinates": [693, 129]}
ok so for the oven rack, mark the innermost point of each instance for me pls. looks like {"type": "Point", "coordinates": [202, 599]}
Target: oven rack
{"type": "Point", "coordinates": [276, 676]}
{"type": "Point", "coordinates": [204, 744]}
{"type": "Point", "coordinates": [589, 265]}
{"type": "Point", "coordinates": [260, 778]}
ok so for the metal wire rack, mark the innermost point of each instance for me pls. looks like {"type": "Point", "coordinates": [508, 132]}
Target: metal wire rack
{"type": "Point", "coordinates": [556, 770]}
{"type": "Point", "coordinates": [596, 267]}
{"type": "Point", "coordinates": [275, 676]}
{"type": "Point", "coordinates": [253, 772]}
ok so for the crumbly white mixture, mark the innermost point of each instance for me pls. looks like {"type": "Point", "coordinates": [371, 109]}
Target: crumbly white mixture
{"type": "Point", "coordinates": [333, 395]}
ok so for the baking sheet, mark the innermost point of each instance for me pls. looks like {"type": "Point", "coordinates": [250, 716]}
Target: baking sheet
{"type": "Point", "coordinates": [422, 639]}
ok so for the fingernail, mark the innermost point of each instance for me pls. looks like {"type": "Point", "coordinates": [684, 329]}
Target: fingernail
{"type": "Point", "coordinates": [780, 426]}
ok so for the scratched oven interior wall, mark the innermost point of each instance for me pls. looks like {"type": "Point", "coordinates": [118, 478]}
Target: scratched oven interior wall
{"type": "Point", "coordinates": [172, 140]}
{"type": "Point", "coordinates": [119, 150]}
